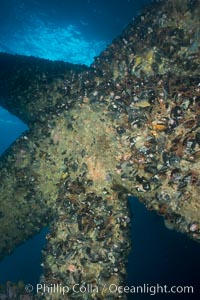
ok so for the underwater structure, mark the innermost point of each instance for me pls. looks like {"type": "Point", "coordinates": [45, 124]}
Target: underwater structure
{"type": "Point", "coordinates": [127, 125]}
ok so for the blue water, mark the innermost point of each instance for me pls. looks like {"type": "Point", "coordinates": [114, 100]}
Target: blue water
{"type": "Point", "coordinates": [10, 129]}
{"type": "Point", "coordinates": [25, 263]}
{"type": "Point", "coordinates": [161, 256]}
{"type": "Point", "coordinates": [76, 31]}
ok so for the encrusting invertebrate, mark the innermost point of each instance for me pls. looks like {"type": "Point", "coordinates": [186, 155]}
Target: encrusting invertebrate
{"type": "Point", "coordinates": [128, 125]}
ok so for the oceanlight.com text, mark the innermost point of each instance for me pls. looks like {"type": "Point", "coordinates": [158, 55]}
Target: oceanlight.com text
{"type": "Point", "coordinates": [111, 289]}
{"type": "Point", "coordinates": [151, 289]}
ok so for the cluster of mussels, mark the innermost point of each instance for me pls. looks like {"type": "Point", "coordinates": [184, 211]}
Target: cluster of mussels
{"type": "Point", "coordinates": [88, 244]}
{"type": "Point", "coordinates": [153, 90]}
{"type": "Point", "coordinates": [128, 125]}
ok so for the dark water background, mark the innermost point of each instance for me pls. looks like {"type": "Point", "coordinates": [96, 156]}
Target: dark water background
{"type": "Point", "coordinates": [79, 30]}
{"type": "Point", "coordinates": [161, 256]}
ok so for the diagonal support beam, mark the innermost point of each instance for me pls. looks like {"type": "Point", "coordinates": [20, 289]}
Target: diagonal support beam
{"type": "Point", "coordinates": [32, 87]}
